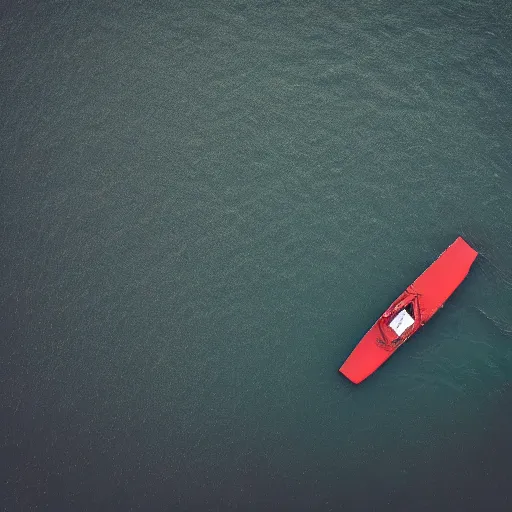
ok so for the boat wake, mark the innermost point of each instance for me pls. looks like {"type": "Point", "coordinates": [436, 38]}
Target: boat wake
{"type": "Point", "coordinates": [503, 326]}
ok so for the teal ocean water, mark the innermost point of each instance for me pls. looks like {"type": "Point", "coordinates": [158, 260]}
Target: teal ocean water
{"type": "Point", "coordinates": [205, 205]}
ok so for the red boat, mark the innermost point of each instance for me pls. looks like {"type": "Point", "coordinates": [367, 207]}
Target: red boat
{"type": "Point", "coordinates": [410, 311]}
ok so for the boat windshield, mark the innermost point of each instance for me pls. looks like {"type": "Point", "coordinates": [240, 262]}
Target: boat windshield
{"type": "Point", "coordinates": [401, 322]}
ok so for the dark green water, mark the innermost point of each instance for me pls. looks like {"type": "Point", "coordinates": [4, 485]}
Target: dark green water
{"type": "Point", "coordinates": [204, 207]}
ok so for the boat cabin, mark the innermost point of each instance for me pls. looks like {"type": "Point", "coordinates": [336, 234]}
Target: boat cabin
{"type": "Point", "coordinates": [400, 320]}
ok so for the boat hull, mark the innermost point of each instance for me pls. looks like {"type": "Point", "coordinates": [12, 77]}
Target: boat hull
{"type": "Point", "coordinates": [422, 299]}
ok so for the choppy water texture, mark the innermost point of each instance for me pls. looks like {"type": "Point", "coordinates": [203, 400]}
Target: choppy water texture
{"type": "Point", "coordinates": [204, 207]}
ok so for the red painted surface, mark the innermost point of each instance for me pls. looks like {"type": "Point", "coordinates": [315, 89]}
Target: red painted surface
{"type": "Point", "coordinates": [423, 297]}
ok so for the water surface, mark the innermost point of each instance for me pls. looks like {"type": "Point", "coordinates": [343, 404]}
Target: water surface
{"type": "Point", "coordinates": [205, 206]}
